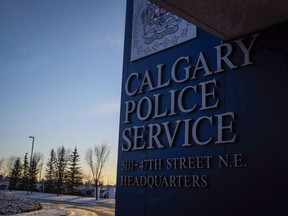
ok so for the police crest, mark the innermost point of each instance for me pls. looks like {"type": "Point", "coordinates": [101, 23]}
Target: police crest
{"type": "Point", "coordinates": [155, 29]}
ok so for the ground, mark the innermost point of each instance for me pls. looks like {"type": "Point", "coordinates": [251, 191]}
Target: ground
{"type": "Point", "coordinates": [63, 205]}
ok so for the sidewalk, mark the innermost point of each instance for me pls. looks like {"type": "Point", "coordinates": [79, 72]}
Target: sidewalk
{"type": "Point", "coordinates": [67, 199]}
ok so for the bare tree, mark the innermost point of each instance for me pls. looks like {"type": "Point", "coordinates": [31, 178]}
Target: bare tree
{"type": "Point", "coordinates": [2, 168]}
{"type": "Point", "coordinates": [96, 159]}
{"type": "Point", "coordinates": [9, 164]}
{"type": "Point", "coordinates": [87, 179]}
{"type": "Point", "coordinates": [34, 169]}
{"type": "Point", "coordinates": [39, 157]}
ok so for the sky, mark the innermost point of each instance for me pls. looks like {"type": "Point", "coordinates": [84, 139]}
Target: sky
{"type": "Point", "coordinates": [60, 76]}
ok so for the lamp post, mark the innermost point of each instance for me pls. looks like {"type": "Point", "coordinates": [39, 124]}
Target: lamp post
{"type": "Point", "coordinates": [31, 163]}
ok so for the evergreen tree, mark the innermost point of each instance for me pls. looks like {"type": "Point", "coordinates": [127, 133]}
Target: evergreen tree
{"type": "Point", "coordinates": [33, 173]}
{"type": "Point", "coordinates": [51, 173]}
{"type": "Point", "coordinates": [74, 178]}
{"type": "Point", "coordinates": [25, 173]}
{"type": "Point", "coordinates": [61, 168]}
{"type": "Point", "coordinates": [16, 174]}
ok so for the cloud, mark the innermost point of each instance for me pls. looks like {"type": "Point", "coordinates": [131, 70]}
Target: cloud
{"type": "Point", "coordinates": [108, 107]}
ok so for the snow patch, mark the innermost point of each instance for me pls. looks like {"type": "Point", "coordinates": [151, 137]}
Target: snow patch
{"type": "Point", "coordinates": [10, 204]}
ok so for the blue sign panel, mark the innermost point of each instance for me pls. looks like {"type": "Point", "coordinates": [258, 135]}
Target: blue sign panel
{"type": "Point", "coordinates": [203, 123]}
